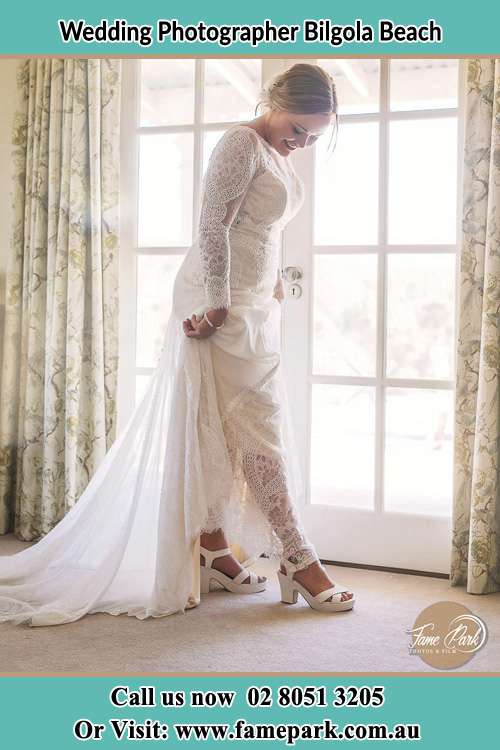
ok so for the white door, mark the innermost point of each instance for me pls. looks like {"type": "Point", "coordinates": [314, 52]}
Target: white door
{"type": "Point", "coordinates": [369, 343]}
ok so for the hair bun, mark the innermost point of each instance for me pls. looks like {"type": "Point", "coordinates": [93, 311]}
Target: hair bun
{"type": "Point", "coordinates": [301, 88]}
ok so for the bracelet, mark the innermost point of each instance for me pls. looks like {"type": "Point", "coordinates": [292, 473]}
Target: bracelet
{"type": "Point", "coordinates": [212, 325]}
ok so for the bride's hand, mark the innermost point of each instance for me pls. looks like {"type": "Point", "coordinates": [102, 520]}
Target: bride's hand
{"type": "Point", "coordinates": [197, 329]}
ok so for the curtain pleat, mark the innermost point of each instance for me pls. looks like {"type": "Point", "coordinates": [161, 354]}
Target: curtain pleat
{"type": "Point", "coordinates": [475, 555]}
{"type": "Point", "coordinates": [59, 380]}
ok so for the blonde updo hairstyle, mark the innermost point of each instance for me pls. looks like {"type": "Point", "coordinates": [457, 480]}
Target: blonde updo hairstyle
{"type": "Point", "coordinates": [303, 88]}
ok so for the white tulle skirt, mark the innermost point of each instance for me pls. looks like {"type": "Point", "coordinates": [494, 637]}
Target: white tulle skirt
{"type": "Point", "coordinates": [131, 543]}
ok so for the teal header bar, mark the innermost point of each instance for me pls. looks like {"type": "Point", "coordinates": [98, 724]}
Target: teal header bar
{"type": "Point", "coordinates": [241, 711]}
{"type": "Point", "coordinates": [325, 28]}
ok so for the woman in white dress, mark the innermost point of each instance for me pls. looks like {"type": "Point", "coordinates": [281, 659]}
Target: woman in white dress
{"type": "Point", "coordinates": [206, 461]}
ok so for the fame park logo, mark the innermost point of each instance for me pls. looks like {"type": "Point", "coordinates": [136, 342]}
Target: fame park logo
{"type": "Point", "coordinates": [446, 635]}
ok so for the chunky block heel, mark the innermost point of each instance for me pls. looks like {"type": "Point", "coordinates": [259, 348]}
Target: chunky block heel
{"type": "Point", "coordinates": [204, 580]}
{"type": "Point", "coordinates": [289, 595]}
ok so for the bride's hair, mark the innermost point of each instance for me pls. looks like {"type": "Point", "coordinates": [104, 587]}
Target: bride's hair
{"type": "Point", "coordinates": [303, 88]}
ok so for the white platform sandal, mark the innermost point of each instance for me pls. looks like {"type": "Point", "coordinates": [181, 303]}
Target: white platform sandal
{"type": "Point", "coordinates": [290, 589]}
{"type": "Point", "coordinates": [235, 585]}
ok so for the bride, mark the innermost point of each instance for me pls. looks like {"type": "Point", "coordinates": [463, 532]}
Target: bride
{"type": "Point", "coordinates": [208, 455]}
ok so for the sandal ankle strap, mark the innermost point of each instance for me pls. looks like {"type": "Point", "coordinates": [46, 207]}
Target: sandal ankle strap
{"type": "Point", "coordinates": [290, 567]}
{"type": "Point", "coordinates": [211, 555]}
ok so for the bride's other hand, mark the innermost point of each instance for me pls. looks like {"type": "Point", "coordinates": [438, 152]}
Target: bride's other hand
{"type": "Point", "coordinates": [197, 329]}
{"type": "Point", "coordinates": [201, 328]}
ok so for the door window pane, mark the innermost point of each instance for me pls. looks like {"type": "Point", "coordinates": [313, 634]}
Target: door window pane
{"type": "Point", "coordinates": [165, 190]}
{"type": "Point", "coordinates": [346, 187]}
{"type": "Point", "coordinates": [167, 92]}
{"type": "Point", "coordinates": [422, 181]}
{"type": "Point", "coordinates": [155, 280]}
{"type": "Point", "coordinates": [357, 83]}
{"type": "Point", "coordinates": [345, 314]}
{"type": "Point", "coordinates": [420, 315]}
{"type": "Point", "coordinates": [423, 84]}
{"type": "Point", "coordinates": [231, 89]}
{"type": "Point", "coordinates": [342, 445]}
{"type": "Point", "coordinates": [418, 451]}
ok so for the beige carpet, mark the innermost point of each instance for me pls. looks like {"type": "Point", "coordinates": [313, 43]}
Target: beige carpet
{"type": "Point", "coordinates": [254, 633]}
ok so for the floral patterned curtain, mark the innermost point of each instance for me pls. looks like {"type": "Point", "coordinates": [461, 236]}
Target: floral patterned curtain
{"type": "Point", "coordinates": [475, 559]}
{"type": "Point", "coordinates": [60, 356]}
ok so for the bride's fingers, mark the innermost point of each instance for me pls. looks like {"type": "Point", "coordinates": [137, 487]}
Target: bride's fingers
{"type": "Point", "coordinates": [187, 327]}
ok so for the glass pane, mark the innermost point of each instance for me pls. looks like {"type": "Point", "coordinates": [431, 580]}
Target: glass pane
{"type": "Point", "coordinates": [420, 315]}
{"type": "Point", "coordinates": [423, 84]}
{"type": "Point", "coordinates": [210, 138]}
{"type": "Point", "coordinates": [342, 445]}
{"type": "Point", "coordinates": [346, 187]}
{"type": "Point", "coordinates": [167, 92]}
{"type": "Point", "coordinates": [165, 190]}
{"type": "Point", "coordinates": [418, 451]}
{"type": "Point", "coordinates": [422, 181]}
{"type": "Point", "coordinates": [356, 82]}
{"type": "Point", "coordinates": [155, 279]}
{"type": "Point", "coordinates": [231, 89]}
{"type": "Point", "coordinates": [141, 384]}
{"type": "Point", "coordinates": [345, 314]}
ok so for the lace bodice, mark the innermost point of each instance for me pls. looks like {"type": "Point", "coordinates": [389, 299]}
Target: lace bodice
{"type": "Point", "coordinates": [249, 193]}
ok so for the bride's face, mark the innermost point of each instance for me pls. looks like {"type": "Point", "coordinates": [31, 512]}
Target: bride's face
{"type": "Point", "coordinates": [290, 130]}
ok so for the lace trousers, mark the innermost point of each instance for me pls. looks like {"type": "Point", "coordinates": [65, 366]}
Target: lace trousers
{"type": "Point", "coordinates": [266, 479]}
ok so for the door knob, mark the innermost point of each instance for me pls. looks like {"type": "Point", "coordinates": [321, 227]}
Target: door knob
{"type": "Point", "coordinates": [292, 273]}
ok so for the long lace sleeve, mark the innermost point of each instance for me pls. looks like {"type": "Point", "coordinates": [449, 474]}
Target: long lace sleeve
{"type": "Point", "coordinates": [229, 172]}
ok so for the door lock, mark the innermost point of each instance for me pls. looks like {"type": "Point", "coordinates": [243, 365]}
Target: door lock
{"type": "Point", "coordinates": [295, 291]}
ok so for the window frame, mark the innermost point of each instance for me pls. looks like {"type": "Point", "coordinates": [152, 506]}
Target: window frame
{"type": "Point", "coordinates": [299, 233]}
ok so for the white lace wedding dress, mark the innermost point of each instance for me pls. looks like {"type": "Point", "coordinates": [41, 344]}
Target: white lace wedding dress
{"type": "Point", "coordinates": [209, 445]}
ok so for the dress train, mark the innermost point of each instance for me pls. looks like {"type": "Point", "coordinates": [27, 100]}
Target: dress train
{"type": "Point", "coordinates": [210, 443]}
{"type": "Point", "coordinates": [131, 542]}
